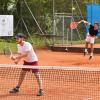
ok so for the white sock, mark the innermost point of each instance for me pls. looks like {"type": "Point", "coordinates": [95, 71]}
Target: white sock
{"type": "Point", "coordinates": [86, 50]}
{"type": "Point", "coordinates": [91, 54]}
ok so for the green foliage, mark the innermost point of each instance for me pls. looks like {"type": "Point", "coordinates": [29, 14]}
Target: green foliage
{"type": "Point", "coordinates": [37, 41]}
{"type": "Point", "coordinates": [42, 11]}
{"type": "Point", "coordinates": [48, 23]}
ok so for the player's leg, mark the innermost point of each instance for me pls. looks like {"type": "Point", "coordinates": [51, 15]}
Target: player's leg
{"type": "Point", "coordinates": [39, 81]}
{"type": "Point", "coordinates": [91, 47]}
{"type": "Point", "coordinates": [91, 50]}
{"type": "Point", "coordinates": [86, 48]}
{"type": "Point", "coordinates": [21, 78]}
{"type": "Point", "coordinates": [38, 78]}
{"type": "Point", "coordinates": [86, 44]}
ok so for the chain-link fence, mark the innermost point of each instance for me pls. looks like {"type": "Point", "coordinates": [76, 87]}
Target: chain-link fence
{"type": "Point", "coordinates": [62, 32]}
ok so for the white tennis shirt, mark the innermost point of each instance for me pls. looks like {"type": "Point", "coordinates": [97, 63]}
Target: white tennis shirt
{"type": "Point", "coordinates": [27, 47]}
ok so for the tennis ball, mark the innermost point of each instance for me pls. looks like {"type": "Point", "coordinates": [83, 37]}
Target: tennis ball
{"type": "Point", "coordinates": [73, 8]}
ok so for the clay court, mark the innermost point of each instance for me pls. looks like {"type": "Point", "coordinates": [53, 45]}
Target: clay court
{"type": "Point", "coordinates": [56, 85]}
{"type": "Point", "coordinates": [49, 58]}
{"type": "Point", "coordinates": [65, 73]}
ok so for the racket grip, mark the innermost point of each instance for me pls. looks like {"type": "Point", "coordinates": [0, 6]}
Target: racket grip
{"type": "Point", "coordinates": [12, 57]}
{"type": "Point", "coordinates": [16, 61]}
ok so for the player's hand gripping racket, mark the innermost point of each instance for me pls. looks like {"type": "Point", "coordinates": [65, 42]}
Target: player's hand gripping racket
{"type": "Point", "coordinates": [73, 25]}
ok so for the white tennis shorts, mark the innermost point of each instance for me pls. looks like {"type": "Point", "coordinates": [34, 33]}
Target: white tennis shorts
{"type": "Point", "coordinates": [90, 39]}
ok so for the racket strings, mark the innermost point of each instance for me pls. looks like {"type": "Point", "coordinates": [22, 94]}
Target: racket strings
{"type": "Point", "coordinates": [73, 25]}
{"type": "Point", "coordinates": [7, 51]}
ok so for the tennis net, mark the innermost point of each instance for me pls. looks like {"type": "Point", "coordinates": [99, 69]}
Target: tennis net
{"type": "Point", "coordinates": [59, 83]}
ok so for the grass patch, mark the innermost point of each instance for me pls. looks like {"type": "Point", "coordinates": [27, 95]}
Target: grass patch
{"type": "Point", "coordinates": [37, 43]}
{"type": "Point", "coordinates": [5, 44]}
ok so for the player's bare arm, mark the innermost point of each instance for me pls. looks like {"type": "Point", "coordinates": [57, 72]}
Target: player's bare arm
{"type": "Point", "coordinates": [22, 55]}
{"type": "Point", "coordinates": [13, 57]}
{"type": "Point", "coordinates": [85, 22]}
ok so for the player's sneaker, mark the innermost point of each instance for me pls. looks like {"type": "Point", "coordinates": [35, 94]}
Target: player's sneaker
{"type": "Point", "coordinates": [14, 90]}
{"type": "Point", "coordinates": [40, 92]}
{"type": "Point", "coordinates": [91, 57]}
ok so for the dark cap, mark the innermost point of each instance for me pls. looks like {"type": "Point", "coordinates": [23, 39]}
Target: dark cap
{"type": "Point", "coordinates": [19, 35]}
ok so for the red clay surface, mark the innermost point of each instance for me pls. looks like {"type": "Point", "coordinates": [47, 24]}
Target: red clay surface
{"type": "Point", "coordinates": [54, 91]}
{"type": "Point", "coordinates": [49, 58]}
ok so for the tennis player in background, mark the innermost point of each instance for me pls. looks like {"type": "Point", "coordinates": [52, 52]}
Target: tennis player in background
{"type": "Point", "coordinates": [25, 50]}
{"type": "Point", "coordinates": [90, 37]}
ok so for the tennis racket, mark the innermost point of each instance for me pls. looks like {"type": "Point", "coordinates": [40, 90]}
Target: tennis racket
{"type": "Point", "coordinates": [8, 52]}
{"type": "Point", "coordinates": [73, 25]}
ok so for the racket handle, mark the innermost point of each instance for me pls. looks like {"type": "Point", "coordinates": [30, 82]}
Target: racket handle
{"type": "Point", "coordinates": [16, 61]}
{"type": "Point", "coordinates": [12, 57]}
